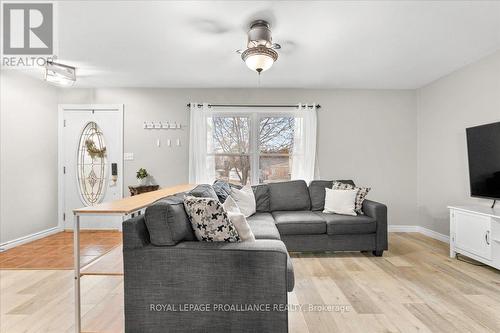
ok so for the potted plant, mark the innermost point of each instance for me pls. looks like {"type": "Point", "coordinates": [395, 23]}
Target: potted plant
{"type": "Point", "coordinates": [142, 175]}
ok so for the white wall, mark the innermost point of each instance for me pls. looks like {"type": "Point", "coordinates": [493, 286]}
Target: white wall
{"type": "Point", "coordinates": [409, 146]}
{"type": "Point", "coordinates": [28, 164]}
{"type": "Point", "coordinates": [366, 135]}
{"type": "Point", "coordinates": [468, 97]}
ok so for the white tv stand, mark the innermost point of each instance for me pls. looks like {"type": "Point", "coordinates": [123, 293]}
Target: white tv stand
{"type": "Point", "coordinates": [475, 233]}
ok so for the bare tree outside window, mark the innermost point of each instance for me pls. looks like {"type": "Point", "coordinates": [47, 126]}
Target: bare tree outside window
{"type": "Point", "coordinates": [231, 140]}
{"type": "Point", "coordinates": [275, 148]}
{"type": "Point", "coordinates": [231, 148]}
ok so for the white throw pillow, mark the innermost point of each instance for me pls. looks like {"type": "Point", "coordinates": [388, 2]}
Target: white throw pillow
{"type": "Point", "coordinates": [340, 201]}
{"type": "Point", "coordinates": [245, 199]}
{"type": "Point", "coordinates": [240, 223]}
{"type": "Point", "coordinates": [360, 197]}
{"type": "Point", "coordinates": [230, 205]}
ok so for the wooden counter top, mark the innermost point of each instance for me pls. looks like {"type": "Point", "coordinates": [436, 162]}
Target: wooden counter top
{"type": "Point", "coordinates": [132, 204]}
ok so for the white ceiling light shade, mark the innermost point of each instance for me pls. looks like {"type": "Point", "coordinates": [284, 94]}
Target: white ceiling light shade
{"type": "Point", "coordinates": [259, 58]}
{"type": "Point", "coordinates": [60, 74]}
{"type": "Point", "coordinates": [260, 54]}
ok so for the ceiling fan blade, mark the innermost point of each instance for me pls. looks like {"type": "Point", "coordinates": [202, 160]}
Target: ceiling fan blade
{"type": "Point", "coordinates": [209, 26]}
{"type": "Point", "coordinates": [287, 47]}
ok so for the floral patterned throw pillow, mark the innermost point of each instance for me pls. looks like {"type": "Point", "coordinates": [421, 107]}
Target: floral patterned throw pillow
{"type": "Point", "coordinates": [209, 220]}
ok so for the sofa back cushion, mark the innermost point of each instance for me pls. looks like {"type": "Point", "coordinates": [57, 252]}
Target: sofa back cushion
{"type": "Point", "coordinates": [317, 192]}
{"type": "Point", "coordinates": [291, 195]}
{"type": "Point", "coordinates": [167, 222]}
{"type": "Point", "coordinates": [262, 198]}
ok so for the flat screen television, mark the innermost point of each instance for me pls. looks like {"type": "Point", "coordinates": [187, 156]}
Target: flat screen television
{"type": "Point", "coordinates": [483, 148]}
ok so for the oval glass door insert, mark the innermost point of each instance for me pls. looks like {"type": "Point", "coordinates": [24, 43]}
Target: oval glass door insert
{"type": "Point", "coordinates": [91, 164]}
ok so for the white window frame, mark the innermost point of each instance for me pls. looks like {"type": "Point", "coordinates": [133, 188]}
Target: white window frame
{"type": "Point", "coordinates": [254, 117]}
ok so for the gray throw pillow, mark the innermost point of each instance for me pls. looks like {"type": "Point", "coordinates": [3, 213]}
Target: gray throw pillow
{"type": "Point", "coordinates": [222, 189]}
{"type": "Point", "coordinates": [203, 191]}
{"type": "Point", "coordinates": [209, 220]}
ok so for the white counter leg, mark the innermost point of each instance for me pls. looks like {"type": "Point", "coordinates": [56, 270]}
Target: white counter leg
{"type": "Point", "coordinates": [76, 254]}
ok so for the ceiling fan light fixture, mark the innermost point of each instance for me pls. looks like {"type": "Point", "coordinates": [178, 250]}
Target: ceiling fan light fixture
{"type": "Point", "coordinates": [260, 58]}
{"type": "Point", "coordinates": [260, 54]}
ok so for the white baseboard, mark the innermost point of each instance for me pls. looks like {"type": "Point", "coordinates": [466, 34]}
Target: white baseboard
{"type": "Point", "coordinates": [29, 238]}
{"type": "Point", "coordinates": [402, 228]}
{"type": "Point", "coordinates": [434, 234]}
{"type": "Point", "coordinates": [421, 230]}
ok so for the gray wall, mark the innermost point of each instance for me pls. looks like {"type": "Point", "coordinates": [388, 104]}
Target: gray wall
{"type": "Point", "coordinates": [389, 140]}
{"type": "Point", "coordinates": [468, 97]}
{"type": "Point", "coordinates": [28, 150]}
{"type": "Point", "coordinates": [366, 135]}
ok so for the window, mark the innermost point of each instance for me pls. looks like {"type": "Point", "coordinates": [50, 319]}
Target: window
{"type": "Point", "coordinates": [243, 147]}
{"type": "Point", "coordinates": [240, 158]}
{"type": "Point", "coordinates": [91, 164]}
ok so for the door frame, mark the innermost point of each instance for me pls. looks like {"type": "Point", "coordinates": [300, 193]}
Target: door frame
{"type": "Point", "coordinates": [62, 108]}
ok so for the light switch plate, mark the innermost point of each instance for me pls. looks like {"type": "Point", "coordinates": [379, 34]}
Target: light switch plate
{"type": "Point", "coordinates": [128, 156]}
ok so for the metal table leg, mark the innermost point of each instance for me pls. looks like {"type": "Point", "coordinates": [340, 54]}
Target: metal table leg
{"type": "Point", "coordinates": [76, 254]}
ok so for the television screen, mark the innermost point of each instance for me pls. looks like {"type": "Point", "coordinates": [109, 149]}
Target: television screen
{"type": "Point", "coordinates": [483, 146]}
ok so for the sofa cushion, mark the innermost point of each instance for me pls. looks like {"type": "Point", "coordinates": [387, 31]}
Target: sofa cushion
{"type": "Point", "coordinates": [204, 191]}
{"type": "Point", "coordinates": [167, 222]}
{"type": "Point", "coordinates": [317, 192]}
{"type": "Point", "coordinates": [262, 198]}
{"type": "Point", "coordinates": [348, 225]}
{"type": "Point", "coordinates": [292, 195]}
{"type": "Point", "coordinates": [263, 227]}
{"type": "Point", "coordinates": [209, 220]}
{"type": "Point", "coordinates": [302, 222]}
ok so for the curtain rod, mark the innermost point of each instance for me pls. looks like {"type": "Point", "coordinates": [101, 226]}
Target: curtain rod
{"type": "Point", "coordinates": [256, 105]}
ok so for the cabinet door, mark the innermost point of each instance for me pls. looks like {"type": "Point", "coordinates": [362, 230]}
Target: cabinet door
{"type": "Point", "coordinates": [472, 233]}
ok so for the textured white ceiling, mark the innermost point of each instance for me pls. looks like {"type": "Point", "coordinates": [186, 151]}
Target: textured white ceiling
{"type": "Point", "coordinates": [326, 44]}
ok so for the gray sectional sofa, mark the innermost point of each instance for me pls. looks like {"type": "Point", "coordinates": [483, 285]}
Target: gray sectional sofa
{"type": "Point", "coordinates": [242, 285]}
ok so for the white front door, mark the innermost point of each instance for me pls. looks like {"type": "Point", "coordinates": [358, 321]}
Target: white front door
{"type": "Point", "coordinates": [90, 162]}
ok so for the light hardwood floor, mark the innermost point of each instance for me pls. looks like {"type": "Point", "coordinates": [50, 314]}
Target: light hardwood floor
{"type": "Point", "coordinates": [415, 287]}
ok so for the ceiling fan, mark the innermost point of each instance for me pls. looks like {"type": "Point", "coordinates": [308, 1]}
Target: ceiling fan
{"type": "Point", "coordinates": [261, 52]}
